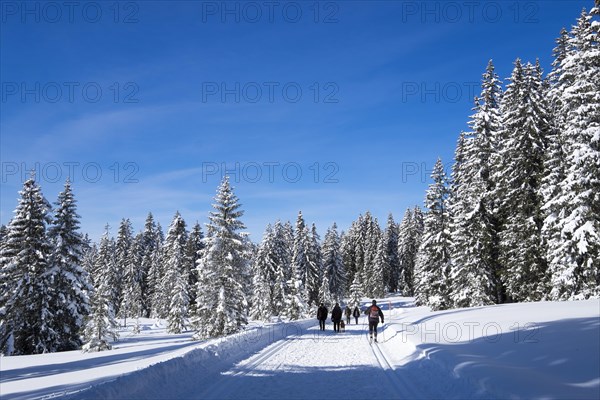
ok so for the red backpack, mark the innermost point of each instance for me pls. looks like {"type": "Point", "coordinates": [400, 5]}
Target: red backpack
{"type": "Point", "coordinates": [374, 313]}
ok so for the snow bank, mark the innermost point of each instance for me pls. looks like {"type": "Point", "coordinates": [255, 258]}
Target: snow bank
{"type": "Point", "coordinates": [195, 369]}
{"type": "Point", "coordinates": [529, 350]}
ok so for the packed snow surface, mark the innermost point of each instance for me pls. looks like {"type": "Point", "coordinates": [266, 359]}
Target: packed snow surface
{"type": "Point", "coordinates": [548, 350]}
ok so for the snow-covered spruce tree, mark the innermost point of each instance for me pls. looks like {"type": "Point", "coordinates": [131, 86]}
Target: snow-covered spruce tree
{"type": "Point", "coordinates": [282, 248]}
{"type": "Point", "coordinates": [473, 224]}
{"type": "Point", "coordinates": [356, 293]}
{"type": "Point", "coordinates": [156, 274]}
{"type": "Point", "coordinates": [375, 278]}
{"type": "Point", "coordinates": [71, 281]}
{"type": "Point", "coordinates": [296, 306]}
{"type": "Point", "coordinates": [574, 253]}
{"type": "Point", "coordinates": [263, 271]}
{"type": "Point", "coordinates": [194, 248]}
{"type": "Point", "coordinates": [433, 260]}
{"type": "Point", "coordinates": [28, 294]}
{"type": "Point", "coordinates": [390, 238]}
{"type": "Point", "coordinates": [3, 233]}
{"type": "Point", "coordinates": [555, 161]}
{"type": "Point", "coordinates": [287, 237]}
{"type": "Point", "coordinates": [148, 248]}
{"type": "Point", "coordinates": [133, 277]}
{"type": "Point", "coordinates": [301, 267]}
{"type": "Point", "coordinates": [471, 273]}
{"type": "Point", "coordinates": [122, 256]}
{"type": "Point", "coordinates": [222, 307]}
{"type": "Point", "coordinates": [101, 326]}
{"type": "Point", "coordinates": [325, 295]}
{"type": "Point", "coordinates": [333, 265]}
{"type": "Point", "coordinates": [89, 255]}
{"type": "Point", "coordinates": [370, 237]}
{"type": "Point", "coordinates": [407, 267]}
{"type": "Point", "coordinates": [410, 232]}
{"type": "Point", "coordinates": [175, 281]}
{"type": "Point", "coordinates": [518, 181]}
{"type": "Point", "coordinates": [350, 248]}
{"type": "Point", "coordinates": [179, 304]}
{"type": "Point", "coordinates": [486, 125]}
{"type": "Point", "coordinates": [315, 260]}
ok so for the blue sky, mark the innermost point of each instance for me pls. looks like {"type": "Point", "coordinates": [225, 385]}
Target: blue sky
{"type": "Point", "coordinates": [332, 108]}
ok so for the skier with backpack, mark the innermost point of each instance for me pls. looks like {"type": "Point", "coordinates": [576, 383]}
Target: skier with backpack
{"type": "Point", "coordinates": [374, 313]}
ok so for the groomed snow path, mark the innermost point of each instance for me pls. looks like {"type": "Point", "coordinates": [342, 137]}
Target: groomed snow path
{"type": "Point", "coordinates": [312, 365]}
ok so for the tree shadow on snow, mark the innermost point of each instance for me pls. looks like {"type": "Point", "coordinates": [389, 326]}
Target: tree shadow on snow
{"type": "Point", "coordinates": [37, 371]}
{"type": "Point", "coordinates": [552, 360]}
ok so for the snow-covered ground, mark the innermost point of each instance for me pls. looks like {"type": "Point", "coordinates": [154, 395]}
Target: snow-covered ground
{"type": "Point", "coordinates": [533, 350]}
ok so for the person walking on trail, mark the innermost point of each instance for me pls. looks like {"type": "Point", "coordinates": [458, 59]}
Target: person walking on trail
{"type": "Point", "coordinates": [336, 317]}
{"type": "Point", "coordinates": [348, 313]}
{"type": "Point", "coordinates": [356, 314]}
{"type": "Point", "coordinates": [374, 313]}
{"type": "Point", "coordinates": [322, 316]}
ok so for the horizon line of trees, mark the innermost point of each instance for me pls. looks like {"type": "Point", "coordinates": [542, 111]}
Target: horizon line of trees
{"type": "Point", "coordinates": [517, 220]}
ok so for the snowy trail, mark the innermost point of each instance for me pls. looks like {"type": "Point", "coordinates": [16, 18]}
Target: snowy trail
{"type": "Point", "coordinates": [312, 365]}
{"type": "Point", "coordinates": [404, 389]}
{"type": "Point", "coordinates": [546, 350]}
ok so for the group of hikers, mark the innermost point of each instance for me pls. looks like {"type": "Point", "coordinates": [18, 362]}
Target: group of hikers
{"type": "Point", "coordinates": [373, 313]}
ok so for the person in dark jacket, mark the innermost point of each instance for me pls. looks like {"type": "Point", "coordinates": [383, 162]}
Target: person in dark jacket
{"type": "Point", "coordinates": [374, 313]}
{"type": "Point", "coordinates": [322, 316]}
{"type": "Point", "coordinates": [356, 314]}
{"type": "Point", "coordinates": [336, 317]}
{"type": "Point", "coordinates": [348, 313]}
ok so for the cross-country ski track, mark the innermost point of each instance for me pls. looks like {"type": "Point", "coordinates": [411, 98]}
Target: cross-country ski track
{"type": "Point", "coordinates": [313, 365]}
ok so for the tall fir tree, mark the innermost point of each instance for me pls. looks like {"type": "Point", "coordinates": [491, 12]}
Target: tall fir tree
{"type": "Point", "coordinates": [222, 307]}
{"type": "Point", "coordinates": [333, 264]}
{"type": "Point", "coordinates": [264, 272]}
{"type": "Point", "coordinates": [315, 262]}
{"type": "Point", "coordinates": [176, 279]}
{"type": "Point", "coordinates": [472, 271]}
{"type": "Point", "coordinates": [301, 266]}
{"type": "Point", "coordinates": [433, 260]}
{"type": "Point", "coordinates": [370, 272]}
{"type": "Point", "coordinates": [296, 306]}
{"type": "Point", "coordinates": [518, 181]}
{"type": "Point", "coordinates": [71, 281]}
{"type": "Point", "coordinates": [325, 295]}
{"type": "Point", "coordinates": [375, 280]}
{"type": "Point", "coordinates": [132, 304]}
{"type": "Point", "coordinates": [391, 238]}
{"type": "Point", "coordinates": [356, 293]}
{"type": "Point", "coordinates": [101, 326]}
{"type": "Point", "coordinates": [194, 247]}
{"type": "Point", "coordinates": [410, 233]}
{"type": "Point", "coordinates": [283, 238]}
{"type": "Point", "coordinates": [149, 246]}
{"type": "Point", "coordinates": [28, 297]}
{"type": "Point", "coordinates": [350, 249]}
{"type": "Point", "coordinates": [573, 250]}
{"type": "Point", "coordinates": [156, 274]}
{"type": "Point", "coordinates": [123, 245]}
{"type": "Point", "coordinates": [555, 161]}
{"type": "Point", "coordinates": [474, 227]}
